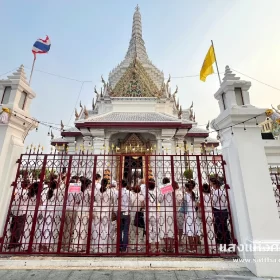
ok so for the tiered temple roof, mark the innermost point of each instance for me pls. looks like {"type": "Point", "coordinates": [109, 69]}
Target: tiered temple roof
{"type": "Point", "coordinates": [136, 96]}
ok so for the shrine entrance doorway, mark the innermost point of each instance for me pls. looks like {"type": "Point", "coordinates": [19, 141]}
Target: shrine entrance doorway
{"type": "Point", "coordinates": [133, 169]}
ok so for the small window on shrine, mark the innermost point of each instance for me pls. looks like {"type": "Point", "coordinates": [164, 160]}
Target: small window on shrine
{"type": "Point", "coordinates": [6, 95]}
{"type": "Point", "coordinates": [22, 100]}
{"type": "Point", "coordinates": [239, 96]}
{"type": "Point", "coordinates": [224, 100]}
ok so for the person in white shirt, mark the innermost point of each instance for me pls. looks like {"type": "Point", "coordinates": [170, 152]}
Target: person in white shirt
{"type": "Point", "coordinates": [125, 216]}
{"type": "Point", "coordinates": [167, 209]}
{"type": "Point", "coordinates": [210, 232]}
{"type": "Point", "coordinates": [220, 212]}
{"type": "Point", "coordinates": [72, 202]}
{"type": "Point", "coordinates": [179, 215]}
{"type": "Point", "coordinates": [137, 225]}
{"type": "Point", "coordinates": [190, 215]}
{"type": "Point", "coordinates": [18, 213]}
{"type": "Point", "coordinates": [102, 219]}
{"type": "Point", "coordinates": [113, 233]}
{"type": "Point", "coordinates": [82, 215]}
{"type": "Point", "coordinates": [30, 200]}
{"type": "Point", "coordinates": [142, 187]}
{"type": "Point", "coordinates": [115, 192]}
{"type": "Point", "coordinates": [97, 182]}
{"type": "Point", "coordinates": [52, 203]}
{"type": "Point", "coordinates": [153, 228]}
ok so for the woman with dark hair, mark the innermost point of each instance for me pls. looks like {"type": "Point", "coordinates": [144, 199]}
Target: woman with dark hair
{"type": "Point", "coordinates": [206, 192]}
{"type": "Point", "coordinates": [97, 181]}
{"type": "Point", "coordinates": [125, 199]}
{"type": "Point", "coordinates": [154, 198]}
{"type": "Point", "coordinates": [51, 211]}
{"type": "Point", "coordinates": [167, 215]}
{"type": "Point", "coordinates": [102, 219]}
{"type": "Point", "coordinates": [137, 226]}
{"type": "Point", "coordinates": [30, 202]}
{"type": "Point", "coordinates": [18, 213]}
{"type": "Point", "coordinates": [82, 207]}
{"type": "Point", "coordinates": [72, 202]}
{"type": "Point", "coordinates": [220, 212]}
{"type": "Point", "coordinates": [198, 219]}
{"type": "Point", "coordinates": [190, 215]}
{"type": "Point", "coordinates": [180, 216]}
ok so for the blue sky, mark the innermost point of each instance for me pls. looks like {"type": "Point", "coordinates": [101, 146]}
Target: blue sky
{"type": "Point", "coordinates": [89, 38]}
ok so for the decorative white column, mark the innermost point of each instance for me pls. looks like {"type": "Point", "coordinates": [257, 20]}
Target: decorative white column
{"type": "Point", "coordinates": [255, 214]}
{"type": "Point", "coordinates": [159, 146]}
{"type": "Point", "coordinates": [16, 95]}
{"type": "Point", "coordinates": [179, 160]}
{"type": "Point", "coordinates": [72, 147]}
{"type": "Point", "coordinates": [98, 146]}
{"type": "Point", "coordinates": [98, 140]}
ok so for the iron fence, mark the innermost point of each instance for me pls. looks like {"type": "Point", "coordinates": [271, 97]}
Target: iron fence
{"type": "Point", "coordinates": [115, 205]}
{"type": "Point", "coordinates": [275, 178]}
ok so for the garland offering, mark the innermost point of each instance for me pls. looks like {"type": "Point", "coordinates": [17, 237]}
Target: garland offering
{"type": "Point", "coordinates": [275, 117]}
{"type": "Point", "coordinates": [4, 115]}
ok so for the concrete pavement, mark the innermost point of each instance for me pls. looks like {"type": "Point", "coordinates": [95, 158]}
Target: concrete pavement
{"type": "Point", "coordinates": [122, 274]}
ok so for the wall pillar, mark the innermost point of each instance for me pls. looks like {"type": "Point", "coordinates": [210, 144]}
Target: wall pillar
{"type": "Point", "coordinates": [255, 214]}
{"type": "Point", "coordinates": [13, 133]}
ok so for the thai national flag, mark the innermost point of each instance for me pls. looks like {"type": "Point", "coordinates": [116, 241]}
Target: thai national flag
{"type": "Point", "coordinates": [41, 46]}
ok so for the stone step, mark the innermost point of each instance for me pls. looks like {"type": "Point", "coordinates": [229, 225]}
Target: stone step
{"type": "Point", "coordinates": [46, 262]}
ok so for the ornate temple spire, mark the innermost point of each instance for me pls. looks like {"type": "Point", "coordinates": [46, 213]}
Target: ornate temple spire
{"type": "Point", "coordinates": [137, 45]}
{"type": "Point", "coordinates": [137, 24]}
{"type": "Point", "coordinates": [136, 50]}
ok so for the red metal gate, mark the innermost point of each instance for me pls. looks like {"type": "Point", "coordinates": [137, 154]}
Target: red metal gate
{"type": "Point", "coordinates": [140, 205]}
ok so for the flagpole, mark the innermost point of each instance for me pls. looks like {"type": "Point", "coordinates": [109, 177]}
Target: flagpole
{"type": "Point", "coordinates": [32, 69]}
{"type": "Point", "coordinates": [216, 62]}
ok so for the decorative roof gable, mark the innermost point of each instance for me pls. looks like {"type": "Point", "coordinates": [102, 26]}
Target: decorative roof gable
{"type": "Point", "coordinates": [135, 82]}
{"type": "Point", "coordinates": [133, 140]}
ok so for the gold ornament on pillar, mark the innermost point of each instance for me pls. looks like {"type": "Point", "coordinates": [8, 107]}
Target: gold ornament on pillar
{"type": "Point", "coordinates": [5, 115]}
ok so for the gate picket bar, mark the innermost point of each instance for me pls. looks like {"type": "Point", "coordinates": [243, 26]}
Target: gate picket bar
{"type": "Point", "coordinates": [144, 204]}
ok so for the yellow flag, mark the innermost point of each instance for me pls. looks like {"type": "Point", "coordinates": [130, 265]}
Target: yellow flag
{"type": "Point", "coordinates": [207, 68]}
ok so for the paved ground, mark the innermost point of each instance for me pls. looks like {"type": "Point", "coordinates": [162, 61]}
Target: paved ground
{"type": "Point", "coordinates": [122, 274]}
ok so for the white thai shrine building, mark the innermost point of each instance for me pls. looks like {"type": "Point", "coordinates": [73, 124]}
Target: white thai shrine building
{"type": "Point", "coordinates": [136, 111]}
